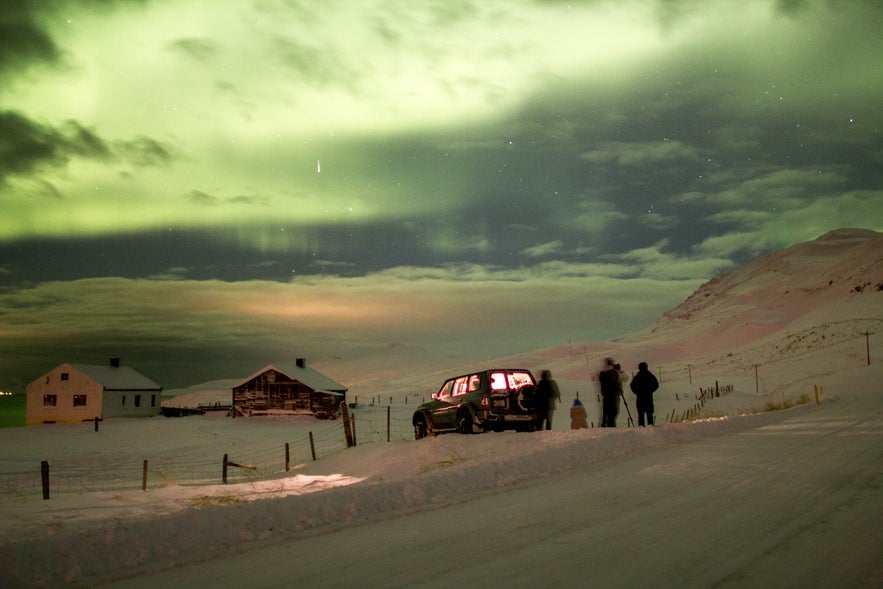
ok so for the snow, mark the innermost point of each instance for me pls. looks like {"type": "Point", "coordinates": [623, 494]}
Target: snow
{"type": "Point", "coordinates": [744, 496]}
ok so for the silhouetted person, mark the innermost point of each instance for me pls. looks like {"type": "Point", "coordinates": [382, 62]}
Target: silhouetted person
{"type": "Point", "coordinates": [611, 389]}
{"type": "Point", "coordinates": [547, 394]}
{"type": "Point", "coordinates": [644, 384]}
{"type": "Point", "coordinates": [578, 417]}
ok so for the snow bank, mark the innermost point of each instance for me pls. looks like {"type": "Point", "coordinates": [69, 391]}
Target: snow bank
{"type": "Point", "coordinates": [169, 526]}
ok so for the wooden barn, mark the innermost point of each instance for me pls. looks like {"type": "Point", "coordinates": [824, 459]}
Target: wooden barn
{"type": "Point", "coordinates": [296, 389]}
{"type": "Point", "coordinates": [71, 393]}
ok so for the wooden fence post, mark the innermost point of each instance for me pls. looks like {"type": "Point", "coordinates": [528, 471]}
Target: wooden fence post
{"type": "Point", "coordinates": [312, 447]}
{"type": "Point", "coordinates": [347, 427]}
{"type": "Point", "coordinates": [44, 471]}
{"type": "Point", "coordinates": [224, 475]}
{"type": "Point", "coordinates": [387, 423]}
{"type": "Point", "coordinates": [144, 477]}
{"type": "Point", "coordinates": [287, 458]}
{"type": "Point", "coordinates": [353, 418]}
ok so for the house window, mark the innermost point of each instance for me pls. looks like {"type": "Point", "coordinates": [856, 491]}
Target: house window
{"type": "Point", "coordinates": [50, 400]}
{"type": "Point", "coordinates": [79, 400]}
{"type": "Point", "coordinates": [153, 400]}
{"type": "Point", "coordinates": [137, 400]}
{"type": "Point", "coordinates": [124, 400]}
{"type": "Point", "coordinates": [65, 376]}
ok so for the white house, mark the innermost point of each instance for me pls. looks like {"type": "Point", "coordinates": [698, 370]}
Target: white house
{"type": "Point", "coordinates": [71, 393]}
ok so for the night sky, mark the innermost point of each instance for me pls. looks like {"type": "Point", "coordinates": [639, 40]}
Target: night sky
{"type": "Point", "coordinates": [203, 188]}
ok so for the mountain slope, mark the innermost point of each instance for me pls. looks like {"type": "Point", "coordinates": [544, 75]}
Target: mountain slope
{"type": "Point", "coordinates": [835, 278]}
{"type": "Point", "coordinates": [791, 312]}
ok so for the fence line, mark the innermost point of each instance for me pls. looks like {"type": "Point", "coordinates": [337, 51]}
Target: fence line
{"type": "Point", "coordinates": [67, 477]}
{"type": "Point", "coordinates": [704, 396]}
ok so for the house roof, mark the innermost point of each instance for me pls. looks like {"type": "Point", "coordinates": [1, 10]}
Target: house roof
{"type": "Point", "coordinates": [306, 375]}
{"type": "Point", "coordinates": [117, 378]}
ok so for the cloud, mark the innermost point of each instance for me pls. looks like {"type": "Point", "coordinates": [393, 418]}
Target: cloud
{"type": "Point", "coordinates": [543, 249]}
{"type": "Point", "coordinates": [655, 264]}
{"type": "Point", "coordinates": [634, 154]}
{"type": "Point", "coordinates": [201, 198]}
{"type": "Point", "coordinates": [25, 42]}
{"type": "Point", "coordinates": [202, 50]}
{"type": "Point", "coordinates": [24, 145]}
{"type": "Point", "coordinates": [764, 231]}
{"type": "Point", "coordinates": [28, 148]}
{"type": "Point", "coordinates": [144, 151]}
{"type": "Point", "coordinates": [239, 324]}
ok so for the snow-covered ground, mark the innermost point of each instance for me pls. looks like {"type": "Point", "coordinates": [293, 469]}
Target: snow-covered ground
{"type": "Point", "coordinates": [781, 498]}
{"type": "Point", "coordinates": [742, 497]}
{"type": "Point", "coordinates": [778, 500]}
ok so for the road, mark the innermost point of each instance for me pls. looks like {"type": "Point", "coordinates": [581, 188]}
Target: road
{"type": "Point", "coordinates": [798, 503]}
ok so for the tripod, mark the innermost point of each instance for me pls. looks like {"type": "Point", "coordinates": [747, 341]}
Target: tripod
{"type": "Point", "coordinates": [631, 421]}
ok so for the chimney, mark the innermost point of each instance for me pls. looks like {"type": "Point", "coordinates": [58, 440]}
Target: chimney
{"type": "Point", "coordinates": [115, 362]}
{"type": "Point", "coordinates": [301, 362]}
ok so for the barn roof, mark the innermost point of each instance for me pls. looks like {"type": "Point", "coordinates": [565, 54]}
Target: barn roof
{"type": "Point", "coordinates": [303, 374]}
{"type": "Point", "coordinates": [117, 378]}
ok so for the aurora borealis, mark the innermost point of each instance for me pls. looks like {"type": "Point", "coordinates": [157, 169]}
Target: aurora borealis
{"type": "Point", "coordinates": [206, 187]}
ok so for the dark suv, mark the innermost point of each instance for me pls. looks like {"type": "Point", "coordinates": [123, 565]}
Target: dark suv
{"type": "Point", "coordinates": [488, 400]}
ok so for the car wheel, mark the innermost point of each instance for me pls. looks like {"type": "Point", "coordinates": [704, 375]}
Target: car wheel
{"type": "Point", "coordinates": [420, 429]}
{"type": "Point", "coordinates": [464, 422]}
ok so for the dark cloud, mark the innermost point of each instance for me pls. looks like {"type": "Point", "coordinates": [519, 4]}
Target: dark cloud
{"type": "Point", "coordinates": [23, 42]}
{"type": "Point", "coordinates": [202, 50]}
{"type": "Point", "coordinates": [144, 151]}
{"type": "Point", "coordinates": [78, 140]}
{"type": "Point", "coordinates": [201, 198]}
{"type": "Point", "coordinates": [26, 146]}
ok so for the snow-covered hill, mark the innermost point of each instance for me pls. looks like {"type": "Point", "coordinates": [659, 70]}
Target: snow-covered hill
{"type": "Point", "coordinates": [838, 276]}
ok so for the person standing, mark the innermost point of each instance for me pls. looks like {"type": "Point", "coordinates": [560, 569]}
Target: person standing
{"type": "Point", "coordinates": [547, 395]}
{"type": "Point", "coordinates": [644, 384]}
{"type": "Point", "coordinates": [611, 389]}
{"type": "Point", "coordinates": [578, 417]}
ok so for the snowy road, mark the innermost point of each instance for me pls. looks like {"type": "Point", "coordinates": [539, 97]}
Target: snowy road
{"type": "Point", "coordinates": [796, 503]}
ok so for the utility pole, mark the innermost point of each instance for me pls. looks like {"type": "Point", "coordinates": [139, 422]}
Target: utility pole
{"type": "Point", "coordinates": [867, 334]}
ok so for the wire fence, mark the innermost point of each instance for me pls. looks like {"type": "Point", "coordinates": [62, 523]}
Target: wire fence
{"type": "Point", "coordinates": [382, 425]}
{"type": "Point", "coordinates": [75, 476]}
{"type": "Point", "coordinates": [68, 476]}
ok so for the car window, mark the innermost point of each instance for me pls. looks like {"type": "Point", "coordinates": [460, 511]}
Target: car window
{"type": "Point", "coordinates": [519, 379]}
{"type": "Point", "coordinates": [446, 389]}
{"type": "Point", "coordinates": [498, 381]}
{"type": "Point", "coordinates": [474, 382]}
{"type": "Point", "coordinates": [460, 385]}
